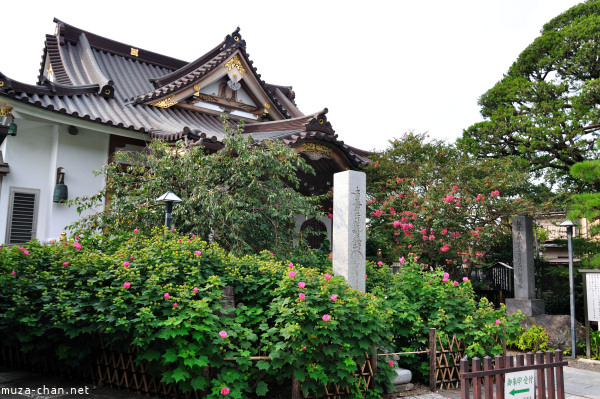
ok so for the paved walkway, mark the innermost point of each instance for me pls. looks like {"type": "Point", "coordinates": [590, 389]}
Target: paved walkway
{"type": "Point", "coordinates": [579, 384]}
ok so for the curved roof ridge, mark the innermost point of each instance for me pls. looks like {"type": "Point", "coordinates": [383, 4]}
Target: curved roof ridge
{"type": "Point", "coordinates": [69, 32]}
{"type": "Point", "coordinates": [52, 49]}
{"type": "Point", "coordinates": [93, 70]}
{"type": "Point", "coordinates": [47, 87]}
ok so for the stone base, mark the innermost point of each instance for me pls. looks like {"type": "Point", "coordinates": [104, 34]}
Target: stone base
{"type": "Point", "coordinates": [404, 387]}
{"type": "Point", "coordinates": [529, 307]}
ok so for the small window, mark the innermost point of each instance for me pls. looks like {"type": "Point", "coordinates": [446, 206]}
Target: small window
{"type": "Point", "coordinates": [22, 215]}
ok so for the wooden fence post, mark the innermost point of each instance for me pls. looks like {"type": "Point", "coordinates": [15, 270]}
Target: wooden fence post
{"type": "Point", "coordinates": [500, 377]}
{"type": "Point", "coordinates": [560, 379]}
{"type": "Point", "coordinates": [464, 382]}
{"type": "Point", "coordinates": [432, 360]}
{"type": "Point", "coordinates": [488, 387]}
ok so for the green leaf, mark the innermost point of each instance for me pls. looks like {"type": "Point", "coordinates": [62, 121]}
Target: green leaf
{"type": "Point", "coordinates": [261, 388]}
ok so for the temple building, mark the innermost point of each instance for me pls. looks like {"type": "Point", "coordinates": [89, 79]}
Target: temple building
{"type": "Point", "coordinates": [94, 96]}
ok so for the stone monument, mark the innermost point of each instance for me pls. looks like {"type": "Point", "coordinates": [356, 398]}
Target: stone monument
{"type": "Point", "coordinates": [349, 227]}
{"type": "Point", "coordinates": [523, 265]}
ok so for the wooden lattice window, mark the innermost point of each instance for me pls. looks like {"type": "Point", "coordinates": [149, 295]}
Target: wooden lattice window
{"type": "Point", "coordinates": [314, 232]}
{"type": "Point", "coordinates": [22, 215]}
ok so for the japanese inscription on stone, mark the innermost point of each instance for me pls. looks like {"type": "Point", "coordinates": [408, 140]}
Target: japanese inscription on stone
{"type": "Point", "coordinates": [592, 284]}
{"type": "Point", "coordinates": [522, 229]}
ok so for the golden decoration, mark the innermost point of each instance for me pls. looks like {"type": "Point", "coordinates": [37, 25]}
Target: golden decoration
{"type": "Point", "coordinates": [1, 83]}
{"type": "Point", "coordinates": [135, 52]}
{"type": "Point", "coordinates": [236, 38]}
{"type": "Point", "coordinates": [6, 111]}
{"type": "Point", "coordinates": [107, 92]}
{"type": "Point", "coordinates": [267, 106]}
{"type": "Point", "coordinates": [49, 70]}
{"type": "Point", "coordinates": [196, 87]}
{"type": "Point", "coordinates": [321, 121]}
{"type": "Point", "coordinates": [165, 102]}
{"type": "Point", "coordinates": [234, 63]}
{"type": "Point", "coordinates": [316, 148]}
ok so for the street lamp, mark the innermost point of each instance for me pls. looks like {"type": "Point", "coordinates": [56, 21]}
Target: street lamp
{"type": "Point", "coordinates": [168, 198]}
{"type": "Point", "coordinates": [569, 225]}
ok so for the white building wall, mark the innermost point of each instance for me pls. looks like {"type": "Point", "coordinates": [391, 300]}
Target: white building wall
{"type": "Point", "coordinates": [34, 154]}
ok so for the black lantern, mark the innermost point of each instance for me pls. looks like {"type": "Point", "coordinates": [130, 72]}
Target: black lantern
{"type": "Point", "coordinates": [61, 192]}
{"type": "Point", "coordinates": [168, 198]}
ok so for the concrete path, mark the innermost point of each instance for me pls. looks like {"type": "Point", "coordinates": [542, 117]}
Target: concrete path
{"type": "Point", "coordinates": [579, 384]}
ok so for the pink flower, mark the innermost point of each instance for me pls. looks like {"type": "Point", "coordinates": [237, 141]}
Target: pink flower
{"type": "Point", "coordinates": [132, 257]}
{"type": "Point", "coordinates": [292, 274]}
{"type": "Point", "coordinates": [430, 281]}
{"type": "Point", "coordinates": [198, 253]}
{"type": "Point", "coordinates": [126, 284]}
{"type": "Point", "coordinates": [334, 298]}
{"type": "Point", "coordinates": [495, 193]}
{"type": "Point", "coordinates": [366, 276]}
{"type": "Point", "coordinates": [179, 240]}
{"type": "Point", "coordinates": [379, 263]}
{"type": "Point", "coordinates": [135, 231]}
{"type": "Point", "coordinates": [444, 248]}
{"type": "Point", "coordinates": [425, 238]}
{"type": "Point", "coordinates": [301, 295]}
{"type": "Point", "coordinates": [497, 322]}
{"type": "Point", "coordinates": [325, 317]}
{"type": "Point", "coordinates": [455, 282]}
{"type": "Point", "coordinates": [391, 364]}
{"type": "Point", "coordinates": [126, 264]}
{"type": "Point", "coordinates": [446, 276]}
{"type": "Point", "coordinates": [25, 253]}
{"type": "Point", "coordinates": [76, 238]}
{"type": "Point", "coordinates": [397, 224]}
{"type": "Point", "coordinates": [454, 188]}
{"type": "Point", "coordinates": [77, 245]}
{"type": "Point", "coordinates": [65, 264]}
{"type": "Point", "coordinates": [225, 391]}
{"type": "Point", "coordinates": [223, 333]}
{"type": "Point", "coordinates": [304, 348]}
{"type": "Point", "coordinates": [465, 279]}
{"type": "Point", "coordinates": [271, 254]}
{"type": "Point", "coordinates": [13, 272]}
{"type": "Point", "coordinates": [166, 295]}
{"type": "Point", "coordinates": [173, 230]}
{"type": "Point", "coordinates": [301, 284]}
{"type": "Point", "coordinates": [331, 255]}
{"type": "Point", "coordinates": [175, 305]}
{"type": "Point", "coordinates": [402, 260]}
{"type": "Point", "coordinates": [195, 290]}
{"type": "Point", "coordinates": [444, 279]}
{"type": "Point", "coordinates": [444, 232]}
{"type": "Point", "coordinates": [52, 242]}
{"type": "Point", "coordinates": [328, 277]}
{"type": "Point", "coordinates": [330, 215]}
{"type": "Point", "coordinates": [291, 265]}
{"type": "Point", "coordinates": [449, 198]}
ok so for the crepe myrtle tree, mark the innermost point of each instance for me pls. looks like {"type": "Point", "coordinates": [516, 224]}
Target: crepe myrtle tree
{"type": "Point", "coordinates": [431, 201]}
{"type": "Point", "coordinates": [244, 197]}
{"type": "Point", "coordinates": [545, 108]}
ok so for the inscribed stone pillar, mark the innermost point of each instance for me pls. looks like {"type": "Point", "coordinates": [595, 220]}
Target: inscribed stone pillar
{"type": "Point", "coordinates": [524, 271]}
{"type": "Point", "coordinates": [349, 227]}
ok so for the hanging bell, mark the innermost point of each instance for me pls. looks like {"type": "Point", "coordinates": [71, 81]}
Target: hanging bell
{"type": "Point", "coordinates": [61, 191]}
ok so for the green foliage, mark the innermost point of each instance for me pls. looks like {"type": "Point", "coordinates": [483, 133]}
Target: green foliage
{"type": "Point", "coordinates": [533, 340]}
{"type": "Point", "coordinates": [243, 197]}
{"type": "Point", "coordinates": [420, 300]}
{"type": "Point", "coordinates": [162, 293]}
{"type": "Point", "coordinates": [544, 109]}
{"type": "Point", "coordinates": [429, 199]}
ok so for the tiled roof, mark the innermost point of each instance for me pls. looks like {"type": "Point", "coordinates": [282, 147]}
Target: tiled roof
{"type": "Point", "coordinates": [99, 80]}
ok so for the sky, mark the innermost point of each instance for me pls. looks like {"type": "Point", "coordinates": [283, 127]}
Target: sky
{"type": "Point", "coordinates": [382, 68]}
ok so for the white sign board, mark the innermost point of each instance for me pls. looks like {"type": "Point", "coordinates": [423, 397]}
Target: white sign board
{"type": "Point", "coordinates": [520, 385]}
{"type": "Point", "coordinates": [592, 288]}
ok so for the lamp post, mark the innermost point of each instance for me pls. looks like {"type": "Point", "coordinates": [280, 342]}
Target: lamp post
{"type": "Point", "coordinates": [168, 198]}
{"type": "Point", "coordinates": [569, 225]}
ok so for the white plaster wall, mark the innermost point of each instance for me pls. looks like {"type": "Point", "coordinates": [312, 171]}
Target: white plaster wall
{"type": "Point", "coordinates": [35, 154]}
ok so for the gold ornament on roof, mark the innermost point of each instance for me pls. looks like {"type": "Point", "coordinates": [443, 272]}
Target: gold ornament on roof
{"type": "Point", "coordinates": [49, 70]}
{"type": "Point", "coordinates": [315, 148]}
{"type": "Point", "coordinates": [165, 102]}
{"type": "Point", "coordinates": [235, 63]}
{"type": "Point", "coordinates": [135, 52]}
{"type": "Point", "coordinates": [267, 106]}
{"type": "Point", "coordinates": [6, 111]}
{"type": "Point", "coordinates": [196, 87]}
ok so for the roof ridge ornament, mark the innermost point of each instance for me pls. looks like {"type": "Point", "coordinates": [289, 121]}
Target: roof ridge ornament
{"type": "Point", "coordinates": [320, 123]}
{"type": "Point", "coordinates": [234, 38]}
